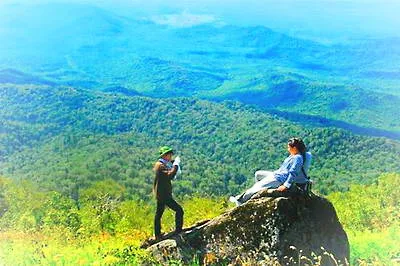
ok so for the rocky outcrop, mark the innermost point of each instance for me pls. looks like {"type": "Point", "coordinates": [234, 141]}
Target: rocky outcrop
{"type": "Point", "coordinates": [265, 231]}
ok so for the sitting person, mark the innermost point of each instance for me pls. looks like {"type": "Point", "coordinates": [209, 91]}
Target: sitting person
{"type": "Point", "coordinates": [293, 170]}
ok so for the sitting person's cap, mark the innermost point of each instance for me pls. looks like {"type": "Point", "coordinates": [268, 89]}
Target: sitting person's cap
{"type": "Point", "coordinates": [165, 149]}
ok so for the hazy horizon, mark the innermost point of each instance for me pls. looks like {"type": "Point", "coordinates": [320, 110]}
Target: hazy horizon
{"type": "Point", "coordinates": [322, 21]}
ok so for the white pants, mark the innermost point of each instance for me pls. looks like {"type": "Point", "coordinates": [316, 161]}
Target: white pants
{"type": "Point", "coordinates": [264, 179]}
{"type": "Point", "coordinates": [261, 174]}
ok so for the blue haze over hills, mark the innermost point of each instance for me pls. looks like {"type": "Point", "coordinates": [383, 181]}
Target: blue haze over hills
{"type": "Point", "coordinates": [324, 63]}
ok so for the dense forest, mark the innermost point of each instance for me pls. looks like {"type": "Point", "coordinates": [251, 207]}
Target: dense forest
{"type": "Point", "coordinates": [66, 139]}
{"type": "Point", "coordinates": [77, 172]}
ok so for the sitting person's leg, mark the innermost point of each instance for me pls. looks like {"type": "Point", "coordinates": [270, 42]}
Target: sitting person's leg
{"type": "Point", "coordinates": [261, 174]}
{"type": "Point", "coordinates": [245, 196]}
{"type": "Point", "coordinates": [269, 182]}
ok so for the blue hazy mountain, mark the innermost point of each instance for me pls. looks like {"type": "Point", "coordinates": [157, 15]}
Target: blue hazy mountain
{"type": "Point", "coordinates": [85, 46]}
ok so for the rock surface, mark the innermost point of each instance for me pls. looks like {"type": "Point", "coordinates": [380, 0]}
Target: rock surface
{"type": "Point", "coordinates": [264, 231]}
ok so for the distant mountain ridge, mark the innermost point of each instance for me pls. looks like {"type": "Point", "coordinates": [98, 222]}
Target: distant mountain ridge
{"type": "Point", "coordinates": [290, 96]}
{"type": "Point", "coordinates": [87, 47]}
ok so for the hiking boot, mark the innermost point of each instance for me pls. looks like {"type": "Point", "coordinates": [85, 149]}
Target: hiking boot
{"type": "Point", "coordinates": [177, 231]}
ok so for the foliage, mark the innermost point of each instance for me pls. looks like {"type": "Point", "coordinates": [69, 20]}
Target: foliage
{"type": "Point", "coordinates": [369, 207]}
{"type": "Point", "coordinates": [30, 211]}
{"type": "Point", "coordinates": [68, 139]}
{"type": "Point", "coordinates": [27, 238]}
{"type": "Point", "coordinates": [375, 247]}
{"type": "Point", "coordinates": [370, 214]}
{"type": "Point", "coordinates": [94, 233]}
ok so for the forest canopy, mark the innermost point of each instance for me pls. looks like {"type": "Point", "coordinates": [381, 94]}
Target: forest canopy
{"type": "Point", "coordinates": [66, 139]}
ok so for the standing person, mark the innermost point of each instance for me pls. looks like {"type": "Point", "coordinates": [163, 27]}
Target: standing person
{"type": "Point", "coordinates": [165, 170]}
{"type": "Point", "coordinates": [292, 170]}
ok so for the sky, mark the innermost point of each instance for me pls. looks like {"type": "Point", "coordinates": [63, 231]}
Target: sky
{"type": "Point", "coordinates": [314, 19]}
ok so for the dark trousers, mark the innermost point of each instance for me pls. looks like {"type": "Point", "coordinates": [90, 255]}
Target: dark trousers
{"type": "Point", "coordinates": [173, 205]}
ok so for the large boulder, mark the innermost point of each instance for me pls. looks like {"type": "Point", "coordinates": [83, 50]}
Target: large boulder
{"type": "Point", "coordinates": [265, 231]}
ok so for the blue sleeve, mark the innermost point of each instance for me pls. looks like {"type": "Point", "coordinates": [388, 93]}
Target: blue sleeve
{"type": "Point", "coordinates": [295, 167]}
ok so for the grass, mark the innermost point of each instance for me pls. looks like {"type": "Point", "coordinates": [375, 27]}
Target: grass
{"type": "Point", "coordinates": [18, 248]}
{"type": "Point", "coordinates": [61, 248]}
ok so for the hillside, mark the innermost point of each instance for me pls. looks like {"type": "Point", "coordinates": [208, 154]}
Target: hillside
{"type": "Point", "coordinates": [85, 46]}
{"type": "Point", "coordinates": [66, 139]}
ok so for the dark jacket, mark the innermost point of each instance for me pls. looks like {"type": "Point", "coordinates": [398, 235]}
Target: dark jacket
{"type": "Point", "coordinates": [162, 187]}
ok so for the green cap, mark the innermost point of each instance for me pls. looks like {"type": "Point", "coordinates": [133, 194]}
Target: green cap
{"type": "Point", "coordinates": [165, 149]}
